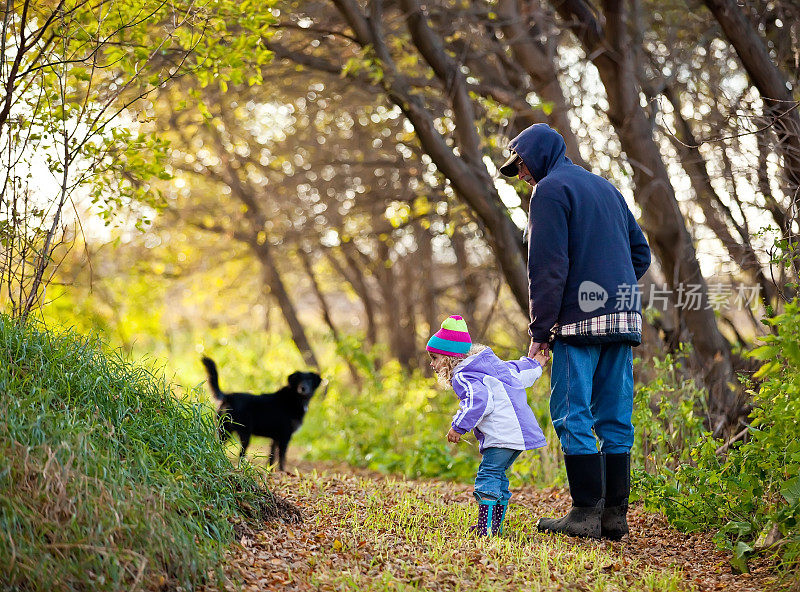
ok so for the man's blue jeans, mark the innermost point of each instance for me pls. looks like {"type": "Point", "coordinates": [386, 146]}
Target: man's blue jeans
{"type": "Point", "coordinates": [491, 480]}
{"type": "Point", "coordinates": [591, 388]}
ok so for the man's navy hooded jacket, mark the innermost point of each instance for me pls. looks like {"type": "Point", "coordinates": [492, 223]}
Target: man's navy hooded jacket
{"type": "Point", "coordinates": [583, 241]}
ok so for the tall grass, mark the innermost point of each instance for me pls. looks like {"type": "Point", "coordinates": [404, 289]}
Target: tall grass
{"type": "Point", "coordinates": [107, 480]}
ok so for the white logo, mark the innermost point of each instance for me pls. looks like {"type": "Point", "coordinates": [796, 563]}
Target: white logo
{"type": "Point", "coordinates": [591, 296]}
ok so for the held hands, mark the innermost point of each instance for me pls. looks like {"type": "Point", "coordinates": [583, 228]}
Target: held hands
{"type": "Point", "coordinates": [542, 358]}
{"type": "Point", "coordinates": [539, 352]}
{"type": "Point", "coordinates": [453, 436]}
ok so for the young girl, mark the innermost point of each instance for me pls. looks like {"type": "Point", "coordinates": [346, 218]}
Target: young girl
{"type": "Point", "coordinates": [494, 405]}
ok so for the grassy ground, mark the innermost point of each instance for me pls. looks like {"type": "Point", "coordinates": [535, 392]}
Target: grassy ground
{"type": "Point", "coordinates": [107, 481]}
{"type": "Point", "coordinates": [364, 531]}
{"type": "Point", "coordinates": [110, 482]}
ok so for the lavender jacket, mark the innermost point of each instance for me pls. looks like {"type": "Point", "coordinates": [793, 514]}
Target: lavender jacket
{"type": "Point", "coordinates": [494, 403]}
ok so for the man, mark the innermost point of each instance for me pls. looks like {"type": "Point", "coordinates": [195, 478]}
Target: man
{"type": "Point", "coordinates": [586, 254]}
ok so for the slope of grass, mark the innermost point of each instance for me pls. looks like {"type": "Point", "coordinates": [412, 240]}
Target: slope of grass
{"type": "Point", "coordinates": [107, 481]}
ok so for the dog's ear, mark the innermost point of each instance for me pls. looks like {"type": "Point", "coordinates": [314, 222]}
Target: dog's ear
{"type": "Point", "coordinates": [317, 379]}
{"type": "Point", "coordinates": [294, 378]}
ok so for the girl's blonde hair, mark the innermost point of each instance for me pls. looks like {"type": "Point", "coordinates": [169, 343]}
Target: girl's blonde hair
{"type": "Point", "coordinates": [445, 375]}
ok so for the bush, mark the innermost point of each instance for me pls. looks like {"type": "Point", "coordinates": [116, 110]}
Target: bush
{"type": "Point", "coordinates": [751, 491]}
{"type": "Point", "coordinates": [667, 414]}
{"type": "Point", "coordinates": [108, 481]}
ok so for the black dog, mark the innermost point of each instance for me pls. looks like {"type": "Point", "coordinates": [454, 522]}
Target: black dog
{"type": "Point", "coordinates": [273, 415]}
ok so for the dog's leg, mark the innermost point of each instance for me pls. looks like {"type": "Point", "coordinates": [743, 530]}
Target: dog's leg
{"type": "Point", "coordinates": [273, 451]}
{"type": "Point", "coordinates": [245, 438]}
{"type": "Point", "coordinates": [222, 426]}
{"type": "Point", "coordinates": [283, 445]}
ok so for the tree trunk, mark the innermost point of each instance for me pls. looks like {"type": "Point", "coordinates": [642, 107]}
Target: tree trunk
{"type": "Point", "coordinates": [408, 355]}
{"type": "Point", "coordinates": [470, 290]}
{"type": "Point", "coordinates": [326, 311]}
{"type": "Point", "coordinates": [355, 277]}
{"type": "Point", "coordinates": [277, 289]}
{"type": "Point", "coordinates": [540, 66]}
{"type": "Point", "coordinates": [428, 279]}
{"type": "Point", "coordinates": [427, 286]}
{"type": "Point", "coordinates": [662, 219]}
{"type": "Point", "coordinates": [781, 106]}
{"type": "Point", "coordinates": [391, 305]}
{"type": "Point", "coordinates": [466, 171]}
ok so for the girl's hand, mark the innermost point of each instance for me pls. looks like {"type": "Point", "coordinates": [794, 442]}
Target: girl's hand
{"type": "Point", "coordinates": [453, 436]}
{"type": "Point", "coordinates": [541, 357]}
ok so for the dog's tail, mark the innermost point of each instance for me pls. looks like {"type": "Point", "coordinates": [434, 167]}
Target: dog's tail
{"type": "Point", "coordinates": [213, 377]}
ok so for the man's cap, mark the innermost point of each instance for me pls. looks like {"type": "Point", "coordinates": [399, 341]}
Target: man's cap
{"type": "Point", "coordinates": [510, 168]}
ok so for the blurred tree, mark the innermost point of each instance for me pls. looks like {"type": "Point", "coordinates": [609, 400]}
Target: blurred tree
{"type": "Point", "coordinates": [359, 162]}
{"type": "Point", "coordinates": [399, 47]}
{"type": "Point", "coordinates": [391, 47]}
{"type": "Point", "coordinates": [71, 70]}
{"type": "Point", "coordinates": [305, 168]}
{"type": "Point", "coordinates": [59, 98]}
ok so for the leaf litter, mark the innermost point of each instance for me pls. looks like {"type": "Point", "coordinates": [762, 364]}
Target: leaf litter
{"type": "Point", "coordinates": [365, 531]}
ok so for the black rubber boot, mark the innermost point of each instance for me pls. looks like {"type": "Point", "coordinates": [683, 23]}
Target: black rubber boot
{"type": "Point", "coordinates": [618, 489]}
{"type": "Point", "coordinates": [587, 487]}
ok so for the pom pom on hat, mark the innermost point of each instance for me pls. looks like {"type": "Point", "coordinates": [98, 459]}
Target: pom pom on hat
{"type": "Point", "coordinates": [452, 339]}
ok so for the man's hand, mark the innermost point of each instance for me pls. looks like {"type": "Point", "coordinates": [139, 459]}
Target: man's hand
{"type": "Point", "coordinates": [453, 436]}
{"type": "Point", "coordinates": [535, 348]}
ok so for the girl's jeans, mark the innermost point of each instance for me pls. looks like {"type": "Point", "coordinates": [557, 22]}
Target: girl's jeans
{"type": "Point", "coordinates": [591, 388]}
{"type": "Point", "coordinates": [491, 480]}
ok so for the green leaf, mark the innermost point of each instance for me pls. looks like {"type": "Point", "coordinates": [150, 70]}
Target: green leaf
{"type": "Point", "coordinates": [766, 369]}
{"type": "Point", "coordinates": [739, 559]}
{"type": "Point", "coordinates": [763, 353]}
{"type": "Point", "coordinates": [791, 490]}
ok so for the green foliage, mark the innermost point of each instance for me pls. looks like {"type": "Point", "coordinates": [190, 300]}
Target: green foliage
{"type": "Point", "coordinates": [785, 254]}
{"type": "Point", "coordinates": [751, 491]}
{"type": "Point", "coordinates": [231, 46]}
{"type": "Point", "coordinates": [368, 64]}
{"type": "Point", "coordinates": [109, 481]}
{"type": "Point", "coordinates": [123, 156]}
{"type": "Point", "coordinates": [79, 100]}
{"type": "Point", "coordinates": [666, 414]}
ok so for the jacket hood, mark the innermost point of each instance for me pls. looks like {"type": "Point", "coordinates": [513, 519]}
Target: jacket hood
{"type": "Point", "coordinates": [486, 362]}
{"type": "Point", "coordinates": [541, 148]}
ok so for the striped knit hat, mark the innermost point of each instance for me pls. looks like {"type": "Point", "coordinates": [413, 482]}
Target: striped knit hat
{"type": "Point", "coordinates": [452, 339]}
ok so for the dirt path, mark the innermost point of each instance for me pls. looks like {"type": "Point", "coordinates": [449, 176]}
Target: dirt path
{"type": "Point", "coordinates": [363, 531]}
